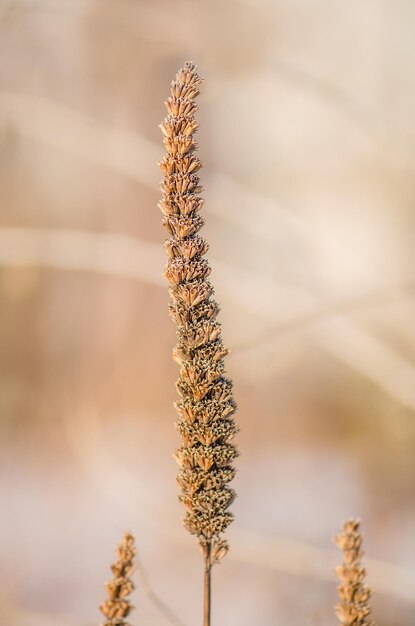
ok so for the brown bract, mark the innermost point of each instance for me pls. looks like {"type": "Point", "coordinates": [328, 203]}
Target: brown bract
{"type": "Point", "coordinates": [354, 594]}
{"type": "Point", "coordinates": [206, 406]}
{"type": "Point", "coordinates": [117, 606]}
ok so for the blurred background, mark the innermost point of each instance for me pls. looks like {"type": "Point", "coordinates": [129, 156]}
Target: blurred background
{"type": "Point", "coordinates": [307, 136]}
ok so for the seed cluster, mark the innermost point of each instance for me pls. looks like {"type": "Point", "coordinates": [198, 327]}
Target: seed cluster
{"type": "Point", "coordinates": [117, 606]}
{"type": "Point", "coordinates": [354, 608]}
{"type": "Point", "coordinates": [206, 406]}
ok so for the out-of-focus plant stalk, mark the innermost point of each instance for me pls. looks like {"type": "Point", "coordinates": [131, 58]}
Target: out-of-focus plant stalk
{"type": "Point", "coordinates": [353, 608]}
{"type": "Point", "coordinates": [117, 607]}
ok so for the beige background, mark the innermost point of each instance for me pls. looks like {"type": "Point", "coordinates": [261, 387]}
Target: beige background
{"type": "Point", "coordinates": [307, 134]}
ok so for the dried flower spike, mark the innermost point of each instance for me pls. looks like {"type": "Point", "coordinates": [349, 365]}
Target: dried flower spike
{"type": "Point", "coordinates": [354, 594]}
{"type": "Point", "coordinates": [206, 405]}
{"type": "Point", "coordinates": [117, 607]}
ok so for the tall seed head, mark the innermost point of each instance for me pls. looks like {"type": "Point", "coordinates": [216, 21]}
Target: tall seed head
{"type": "Point", "coordinates": [354, 594]}
{"type": "Point", "coordinates": [206, 406]}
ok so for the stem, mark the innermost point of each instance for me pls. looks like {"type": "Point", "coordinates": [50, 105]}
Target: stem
{"type": "Point", "coordinates": [207, 589]}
